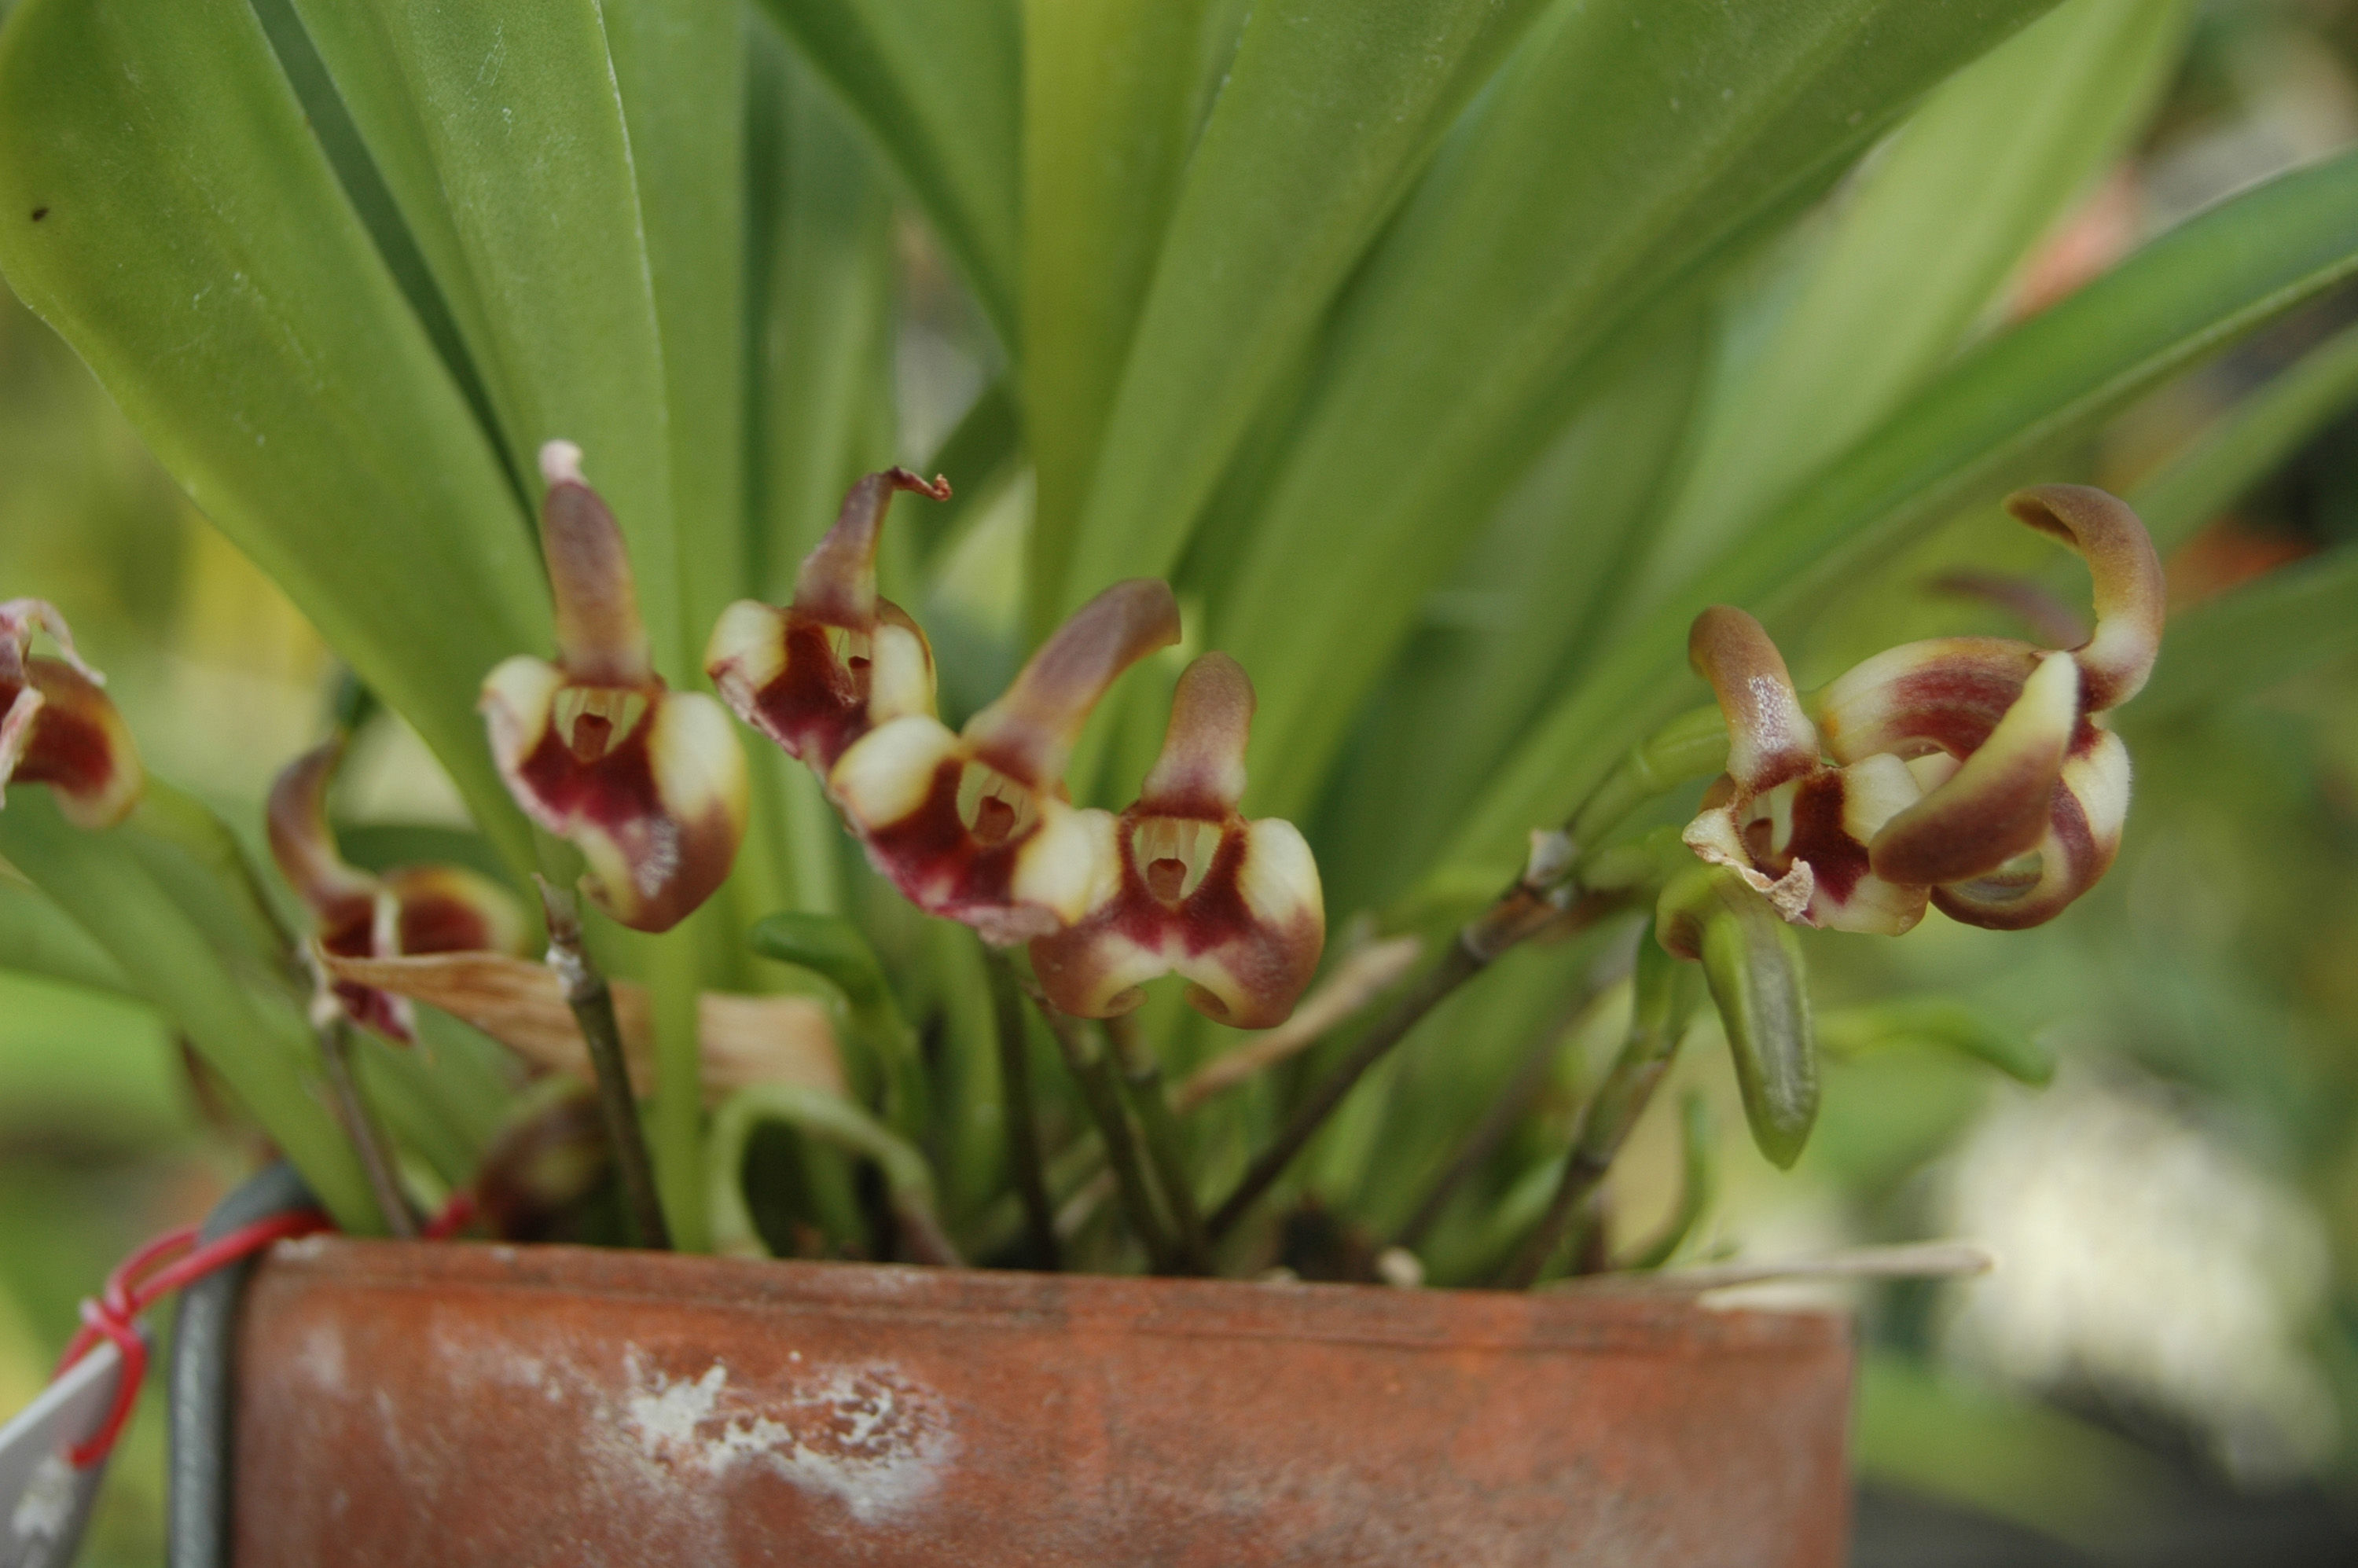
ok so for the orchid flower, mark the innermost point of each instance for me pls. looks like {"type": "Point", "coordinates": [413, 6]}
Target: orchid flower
{"type": "Point", "coordinates": [1974, 772]}
{"type": "Point", "coordinates": [648, 782]}
{"type": "Point", "coordinates": [976, 825]}
{"type": "Point", "coordinates": [820, 674]}
{"type": "Point", "coordinates": [58, 726]}
{"type": "Point", "coordinates": [1233, 906]}
{"type": "Point", "coordinates": [358, 915]}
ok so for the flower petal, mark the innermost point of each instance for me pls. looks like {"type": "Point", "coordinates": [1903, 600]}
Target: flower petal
{"type": "Point", "coordinates": [2083, 833]}
{"type": "Point", "coordinates": [1201, 770]}
{"type": "Point", "coordinates": [302, 844]}
{"type": "Point", "coordinates": [600, 638]}
{"type": "Point", "coordinates": [1996, 805]}
{"type": "Point", "coordinates": [57, 728]}
{"type": "Point", "coordinates": [1028, 733]}
{"type": "Point", "coordinates": [1770, 738]}
{"type": "Point", "coordinates": [836, 583]}
{"type": "Point", "coordinates": [2130, 591]}
{"type": "Point", "coordinates": [1945, 694]}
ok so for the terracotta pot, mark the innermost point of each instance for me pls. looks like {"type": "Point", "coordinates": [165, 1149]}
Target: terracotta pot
{"type": "Point", "coordinates": [453, 1405]}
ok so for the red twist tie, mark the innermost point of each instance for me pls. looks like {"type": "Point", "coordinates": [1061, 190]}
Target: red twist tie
{"type": "Point", "coordinates": [142, 1279]}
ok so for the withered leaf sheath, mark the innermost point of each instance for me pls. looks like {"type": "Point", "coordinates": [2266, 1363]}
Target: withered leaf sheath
{"type": "Point", "coordinates": [1234, 906]}
{"type": "Point", "coordinates": [58, 727]}
{"type": "Point", "coordinates": [355, 914]}
{"type": "Point", "coordinates": [648, 782]}
{"type": "Point", "coordinates": [819, 673]}
{"type": "Point", "coordinates": [1977, 773]}
{"type": "Point", "coordinates": [976, 825]}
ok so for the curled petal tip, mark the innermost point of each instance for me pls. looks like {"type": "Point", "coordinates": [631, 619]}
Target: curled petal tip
{"type": "Point", "coordinates": [1029, 733]}
{"type": "Point", "coordinates": [1770, 739]}
{"type": "Point", "coordinates": [2126, 575]}
{"type": "Point", "coordinates": [301, 843]}
{"type": "Point", "coordinates": [836, 581]}
{"type": "Point", "coordinates": [1201, 770]}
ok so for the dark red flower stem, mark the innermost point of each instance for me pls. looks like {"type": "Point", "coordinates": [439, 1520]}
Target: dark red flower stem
{"type": "Point", "coordinates": [592, 1003]}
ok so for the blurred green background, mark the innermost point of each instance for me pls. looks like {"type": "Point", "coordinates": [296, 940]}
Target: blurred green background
{"type": "Point", "coordinates": [2165, 1367]}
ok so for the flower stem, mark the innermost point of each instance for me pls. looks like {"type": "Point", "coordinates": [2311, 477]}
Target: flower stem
{"type": "Point", "coordinates": [1086, 1054]}
{"type": "Point", "coordinates": [1533, 900]}
{"type": "Point", "coordinates": [593, 1008]}
{"type": "Point", "coordinates": [1143, 1072]}
{"type": "Point", "coordinates": [1655, 1021]}
{"type": "Point", "coordinates": [368, 1139]}
{"type": "Point", "coordinates": [1022, 1115]}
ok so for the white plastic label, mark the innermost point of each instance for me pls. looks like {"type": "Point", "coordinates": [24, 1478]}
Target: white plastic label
{"type": "Point", "coordinates": [44, 1500]}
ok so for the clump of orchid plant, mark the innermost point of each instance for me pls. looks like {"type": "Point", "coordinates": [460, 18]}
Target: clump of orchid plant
{"type": "Point", "coordinates": [1023, 964]}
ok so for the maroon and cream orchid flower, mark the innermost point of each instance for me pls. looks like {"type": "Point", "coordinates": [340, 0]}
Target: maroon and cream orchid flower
{"type": "Point", "coordinates": [821, 673]}
{"type": "Point", "coordinates": [976, 825]}
{"type": "Point", "coordinates": [1232, 905]}
{"type": "Point", "coordinates": [1974, 772]}
{"type": "Point", "coordinates": [408, 911]}
{"type": "Point", "coordinates": [58, 726]}
{"type": "Point", "coordinates": [648, 782]}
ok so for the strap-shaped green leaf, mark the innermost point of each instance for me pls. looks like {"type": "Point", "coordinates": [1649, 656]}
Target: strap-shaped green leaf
{"type": "Point", "coordinates": [2189, 293]}
{"type": "Point", "coordinates": [1594, 181]}
{"type": "Point", "coordinates": [939, 85]}
{"type": "Point", "coordinates": [1329, 110]}
{"type": "Point", "coordinates": [500, 132]}
{"type": "Point", "coordinates": [254, 1043]}
{"type": "Point", "coordinates": [169, 213]}
{"type": "Point", "coordinates": [1938, 224]}
{"type": "Point", "coordinates": [680, 67]}
{"type": "Point", "coordinates": [1109, 89]}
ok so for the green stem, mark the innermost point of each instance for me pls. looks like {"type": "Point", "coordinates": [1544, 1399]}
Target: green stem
{"type": "Point", "coordinates": [829, 1117]}
{"type": "Point", "coordinates": [676, 987]}
{"type": "Point", "coordinates": [1085, 1054]}
{"type": "Point", "coordinates": [1692, 746]}
{"type": "Point", "coordinates": [1694, 1187]}
{"type": "Point", "coordinates": [1655, 1021]}
{"type": "Point", "coordinates": [593, 1008]}
{"type": "Point", "coordinates": [1022, 1115]}
{"type": "Point", "coordinates": [361, 1126]}
{"type": "Point", "coordinates": [1166, 1145]}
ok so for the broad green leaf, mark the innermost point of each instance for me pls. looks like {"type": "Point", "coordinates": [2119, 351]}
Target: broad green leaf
{"type": "Point", "coordinates": [1493, 645]}
{"type": "Point", "coordinates": [680, 67]}
{"type": "Point", "coordinates": [822, 222]}
{"type": "Point", "coordinates": [2250, 442]}
{"type": "Point", "coordinates": [1329, 110]}
{"type": "Point", "coordinates": [2187, 294]}
{"type": "Point", "coordinates": [1591, 183]}
{"type": "Point", "coordinates": [2293, 619]}
{"type": "Point", "coordinates": [193, 245]}
{"type": "Point", "coordinates": [36, 938]}
{"type": "Point", "coordinates": [260, 1046]}
{"type": "Point", "coordinates": [939, 85]}
{"type": "Point", "coordinates": [1940, 222]}
{"type": "Point", "coordinates": [500, 132]}
{"type": "Point", "coordinates": [103, 1069]}
{"type": "Point", "coordinates": [1109, 96]}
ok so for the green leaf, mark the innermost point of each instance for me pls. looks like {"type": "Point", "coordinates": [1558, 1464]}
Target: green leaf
{"type": "Point", "coordinates": [1940, 219]}
{"type": "Point", "coordinates": [1109, 97]}
{"type": "Point", "coordinates": [500, 132]}
{"type": "Point", "coordinates": [1936, 1020]}
{"type": "Point", "coordinates": [2250, 442]}
{"type": "Point", "coordinates": [939, 85]}
{"type": "Point", "coordinates": [822, 224]}
{"type": "Point", "coordinates": [1592, 184]}
{"type": "Point", "coordinates": [36, 938]}
{"type": "Point", "coordinates": [830, 1119]}
{"type": "Point", "coordinates": [2293, 619]}
{"type": "Point", "coordinates": [194, 247]}
{"type": "Point", "coordinates": [2187, 294]}
{"type": "Point", "coordinates": [835, 949]}
{"type": "Point", "coordinates": [1329, 112]}
{"type": "Point", "coordinates": [260, 1046]}
{"type": "Point", "coordinates": [680, 67]}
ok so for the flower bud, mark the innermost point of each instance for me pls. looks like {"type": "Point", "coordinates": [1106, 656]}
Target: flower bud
{"type": "Point", "coordinates": [1751, 960]}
